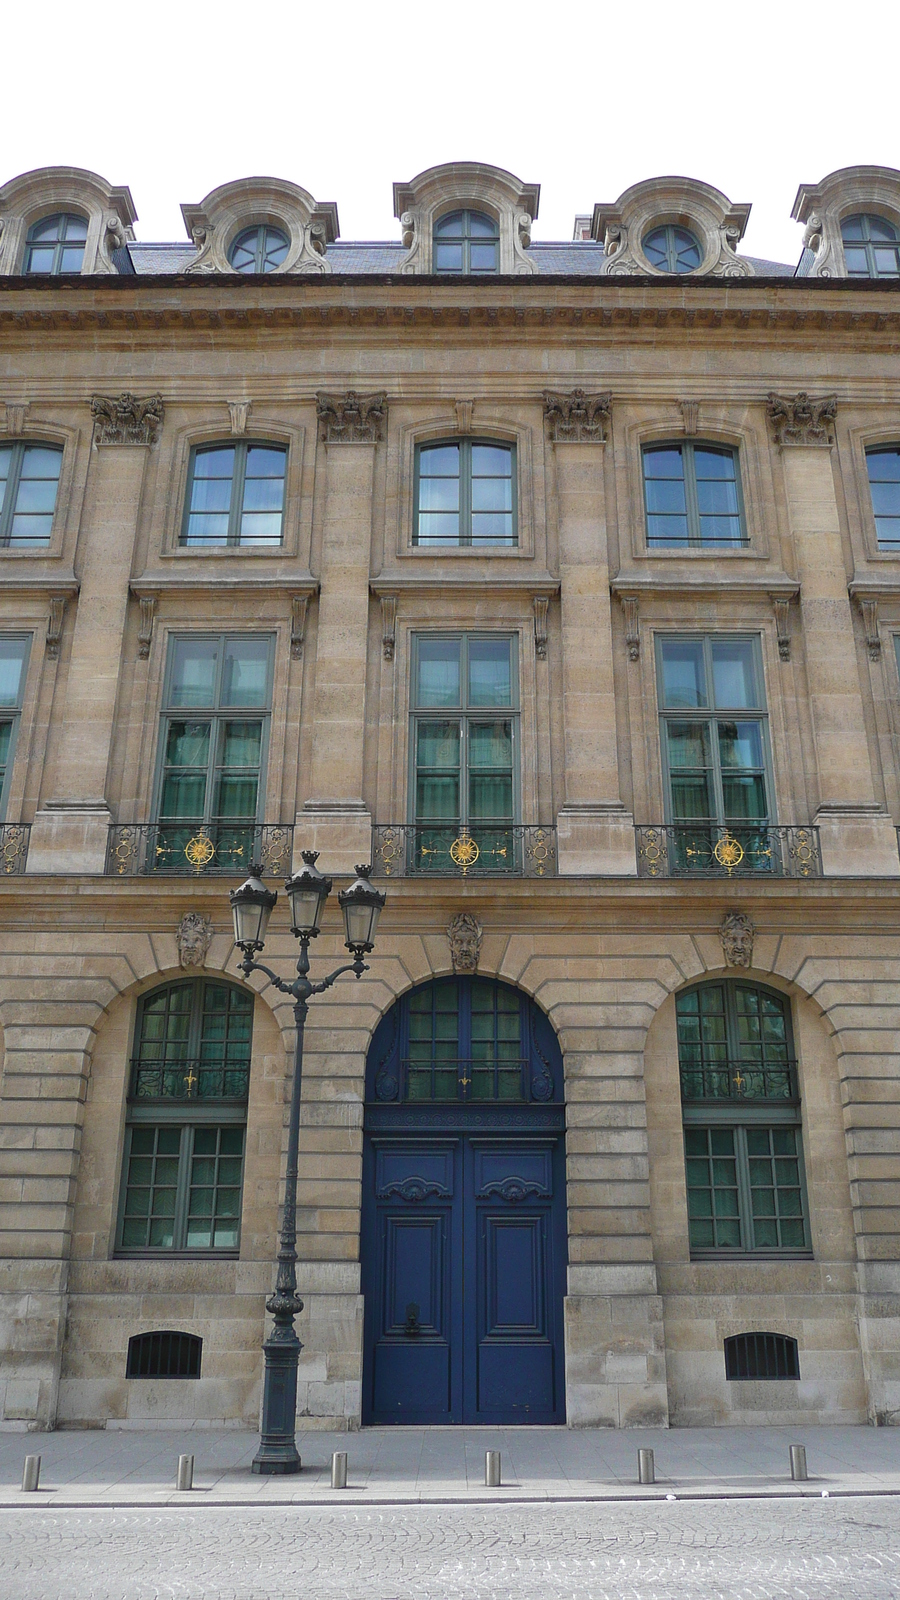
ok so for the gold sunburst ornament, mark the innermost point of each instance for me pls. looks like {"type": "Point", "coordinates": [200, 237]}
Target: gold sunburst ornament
{"type": "Point", "coordinates": [729, 852]}
{"type": "Point", "coordinates": [464, 852]}
{"type": "Point", "coordinates": [199, 851]}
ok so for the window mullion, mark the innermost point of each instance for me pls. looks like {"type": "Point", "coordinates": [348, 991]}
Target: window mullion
{"type": "Point", "coordinates": [216, 731]}
{"type": "Point", "coordinates": [237, 492]}
{"type": "Point", "coordinates": [465, 492]}
{"type": "Point", "coordinates": [463, 772]}
{"type": "Point", "coordinates": [745, 1205]}
{"type": "Point", "coordinates": [196, 1021]}
{"type": "Point", "coordinates": [179, 1230]}
{"type": "Point", "coordinates": [12, 492]}
{"type": "Point", "coordinates": [692, 503]}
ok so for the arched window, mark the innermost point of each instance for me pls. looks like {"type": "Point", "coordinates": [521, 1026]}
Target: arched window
{"type": "Point", "coordinates": [871, 247]}
{"type": "Point", "coordinates": [465, 493]}
{"type": "Point", "coordinates": [672, 249]}
{"type": "Point", "coordinates": [741, 1112]}
{"type": "Point", "coordinates": [29, 479]}
{"type": "Point", "coordinates": [883, 466]}
{"type": "Point", "coordinates": [56, 244]}
{"type": "Point", "coordinates": [692, 495]}
{"type": "Point", "coordinates": [259, 249]}
{"type": "Point", "coordinates": [187, 1113]}
{"type": "Point", "coordinates": [466, 242]}
{"type": "Point", "coordinates": [235, 494]}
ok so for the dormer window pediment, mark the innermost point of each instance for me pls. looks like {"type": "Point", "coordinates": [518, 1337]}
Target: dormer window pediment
{"type": "Point", "coordinates": [466, 219]}
{"type": "Point", "coordinates": [261, 225]}
{"type": "Point", "coordinates": [671, 226]}
{"type": "Point", "coordinates": [63, 220]}
{"type": "Point", "coordinates": [851, 224]}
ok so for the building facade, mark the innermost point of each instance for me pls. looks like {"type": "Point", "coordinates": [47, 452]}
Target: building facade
{"type": "Point", "coordinates": [562, 583]}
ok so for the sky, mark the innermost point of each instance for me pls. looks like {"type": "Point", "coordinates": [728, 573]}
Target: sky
{"type": "Point", "coordinates": [345, 97]}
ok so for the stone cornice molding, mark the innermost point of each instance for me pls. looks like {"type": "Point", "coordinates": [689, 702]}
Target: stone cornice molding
{"type": "Point", "coordinates": [211, 581]}
{"type": "Point", "coordinates": [351, 418]}
{"type": "Point", "coordinates": [467, 184]}
{"type": "Point", "coordinates": [797, 419]}
{"type": "Point", "coordinates": [126, 419]}
{"type": "Point", "coordinates": [577, 417]}
{"type": "Point", "coordinates": [722, 580]}
{"type": "Point", "coordinates": [526, 585]}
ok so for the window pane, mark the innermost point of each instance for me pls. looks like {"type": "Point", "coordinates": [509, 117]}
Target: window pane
{"type": "Point", "coordinates": [491, 494]}
{"type": "Point", "coordinates": [667, 530]}
{"type": "Point", "coordinates": [490, 797]}
{"type": "Point", "coordinates": [12, 660]}
{"type": "Point", "coordinates": [437, 798]}
{"type": "Point", "coordinates": [492, 529]}
{"type": "Point", "coordinates": [438, 745]}
{"type": "Point", "coordinates": [664, 463]}
{"type": "Point", "coordinates": [740, 744]}
{"type": "Point", "coordinates": [448, 257]}
{"type": "Point", "coordinates": [481, 226]}
{"type": "Point", "coordinates": [683, 678]}
{"type": "Point", "coordinates": [734, 676]}
{"type": "Point", "coordinates": [491, 460]}
{"type": "Point", "coordinates": [194, 663]}
{"type": "Point", "coordinates": [439, 494]}
{"type": "Point", "coordinates": [490, 744]}
{"type": "Point", "coordinates": [665, 495]}
{"type": "Point", "coordinates": [215, 463]}
{"type": "Point", "coordinates": [688, 744]}
{"type": "Point", "coordinates": [490, 672]}
{"type": "Point", "coordinates": [438, 672]}
{"type": "Point", "coordinates": [439, 460]}
{"type": "Point", "coordinates": [449, 226]}
{"type": "Point", "coordinates": [245, 680]}
{"type": "Point", "coordinates": [483, 257]}
{"type": "Point", "coordinates": [438, 528]}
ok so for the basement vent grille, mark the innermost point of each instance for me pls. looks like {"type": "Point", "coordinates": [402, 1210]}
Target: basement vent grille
{"type": "Point", "coordinates": [761, 1355]}
{"type": "Point", "coordinates": [164, 1355]}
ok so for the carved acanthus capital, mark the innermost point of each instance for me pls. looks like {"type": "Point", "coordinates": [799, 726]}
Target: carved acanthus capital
{"type": "Point", "coordinates": [350, 418]}
{"type": "Point", "coordinates": [798, 419]}
{"type": "Point", "coordinates": [737, 932]}
{"type": "Point", "coordinates": [577, 417]}
{"type": "Point", "coordinates": [124, 419]}
{"type": "Point", "coordinates": [193, 937]}
{"type": "Point", "coordinates": [464, 933]}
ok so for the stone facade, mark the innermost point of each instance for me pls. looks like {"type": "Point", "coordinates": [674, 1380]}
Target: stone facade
{"type": "Point", "coordinates": [351, 376]}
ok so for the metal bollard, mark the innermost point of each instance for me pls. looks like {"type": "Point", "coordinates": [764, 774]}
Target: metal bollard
{"type": "Point", "coordinates": [339, 1470]}
{"type": "Point", "coordinates": [184, 1478]}
{"type": "Point", "coordinates": [798, 1463]}
{"type": "Point", "coordinates": [492, 1469]}
{"type": "Point", "coordinates": [646, 1467]}
{"type": "Point", "coordinates": [31, 1476]}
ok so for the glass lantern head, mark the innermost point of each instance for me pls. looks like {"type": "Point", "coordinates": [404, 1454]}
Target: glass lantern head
{"type": "Point", "coordinates": [251, 908]}
{"type": "Point", "coordinates": [361, 906]}
{"type": "Point", "coordinates": [307, 892]}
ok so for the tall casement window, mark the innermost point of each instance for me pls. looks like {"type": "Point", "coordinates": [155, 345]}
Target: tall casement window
{"type": "Point", "coordinates": [464, 741]}
{"type": "Point", "coordinates": [29, 480]}
{"type": "Point", "coordinates": [692, 496]}
{"type": "Point", "coordinates": [871, 247]}
{"type": "Point", "coordinates": [715, 746]}
{"type": "Point", "coordinates": [465, 493]}
{"type": "Point", "coordinates": [56, 244]}
{"type": "Point", "coordinates": [672, 249]}
{"type": "Point", "coordinates": [187, 1115]}
{"type": "Point", "coordinates": [259, 249]}
{"type": "Point", "coordinates": [213, 747]}
{"type": "Point", "coordinates": [14, 650]}
{"type": "Point", "coordinates": [884, 482]}
{"type": "Point", "coordinates": [235, 495]}
{"type": "Point", "coordinates": [741, 1112]}
{"type": "Point", "coordinates": [466, 242]}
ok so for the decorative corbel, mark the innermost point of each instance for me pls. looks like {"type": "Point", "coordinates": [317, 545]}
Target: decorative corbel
{"type": "Point", "coordinates": [239, 412]}
{"type": "Point", "coordinates": [690, 412]}
{"type": "Point", "coordinates": [869, 610]}
{"type": "Point", "coordinates": [15, 419]}
{"type": "Point", "coordinates": [55, 625]}
{"type": "Point", "coordinates": [781, 605]}
{"type": "Point", "coordinates": [464, 410]}
{"type": "Point", "coordinates": [299, 608]}
{"type": "Point", "coordinates": [388, 625]}
{"type": "Point", "coordinates": [540, 603]}
{"type": "Point", "coordinates": [147, 603]}
{"type": "Point", "coordinates": [632, 630]}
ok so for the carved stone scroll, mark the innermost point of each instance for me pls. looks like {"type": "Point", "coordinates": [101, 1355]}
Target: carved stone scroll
{"type": "Point", "coordinates": [781, 605]}
{"type": "Point", "coordinates": [388, 625]}
{"type": "Point", "coordinates": [15, 419]}
{"type": "Point", "coordinates": [124, 419]}
{"type": "Point", "coordinates": [299, 608]}
{"type": "Point", "coordinates": [55, 624]}
{"type": "Point", "coordinates": [350, 418]}
{"type": "Point", "coordinates": [464, 933]}
{"type": "Point", "coordinates": [239, 413]}
{"type": "Point", "coordinates": [540, 603]}
{"type": "Point", "coordinates": [631, 609]}
{"type": "Point", "coordinates": [737, 932]}
{"type": "Point", "coordinates": [577, 418]}
{"type": "Point", "coordinates": [869, 610]}
{"type": "Point", "coordinates": [193, 937]}
{"type": "Point", "coordinates": [147, 603]}
{"type": "Point", "coordinates": [797, 419]}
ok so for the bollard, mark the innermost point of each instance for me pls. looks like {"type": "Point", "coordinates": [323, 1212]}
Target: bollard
{"type": "Point", "coordinates": [798, 1463]}
{"type": "Point", "coordinates": [339, 1470]}
{"type": "Point", "coordinates": [646, 1467]}
{"type": "Point", "coordinates": [31, 1476]}
{"type": "Point", "coordinates": [492, 1469]}
{"type": "Point", "coordinates": [184, 1478]}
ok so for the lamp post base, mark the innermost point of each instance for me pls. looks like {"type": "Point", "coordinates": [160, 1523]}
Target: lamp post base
{"type": "Point", "coordinates": [276, 1460]}
{"type": "Point", "coordinates": [277, 1451]}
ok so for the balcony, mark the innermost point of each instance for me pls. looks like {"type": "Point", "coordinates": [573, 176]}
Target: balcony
{"type": "Point", "coordinates": [189, 1080]}
{"type": "Point", "coordinates": [514, 850]}
{"type": "Point", "coordinates": [710, 1078]}
{"type": "Point", "coordinates": [183, 850]}
{"type": "Point", "coordinates": [717, 850]}
{"type": "Point", "coordinates": [14, 837]}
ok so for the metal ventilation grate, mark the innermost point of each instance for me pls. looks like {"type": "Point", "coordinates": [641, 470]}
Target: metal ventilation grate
{"type": "Point", "coordinates": [761, 1355]}
{"type": "Point", "coordinates": [164, 1355]}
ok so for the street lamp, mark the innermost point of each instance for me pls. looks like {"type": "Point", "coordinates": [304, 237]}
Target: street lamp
{"type": "Point", "coordinates": [251, 907]}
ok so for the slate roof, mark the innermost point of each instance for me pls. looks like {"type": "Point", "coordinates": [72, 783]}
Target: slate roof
{"type": "Point", "coordinates": [580, 258]}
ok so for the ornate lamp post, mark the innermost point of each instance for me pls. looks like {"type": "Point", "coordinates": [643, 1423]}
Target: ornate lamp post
{"type": "Point", "coordinates": [251, 907]}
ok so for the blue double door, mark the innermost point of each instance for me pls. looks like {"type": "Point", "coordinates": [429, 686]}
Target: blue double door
{"type": "Point", "coordinates": [464, 1251]}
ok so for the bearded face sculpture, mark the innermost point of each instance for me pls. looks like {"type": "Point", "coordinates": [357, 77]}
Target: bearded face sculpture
{"type": "Point", "coordinates": [736, 934]}
{"type": "Point", "coordinates": [193, 938]}
{"type": "Point", "coordinates": [464, 934]}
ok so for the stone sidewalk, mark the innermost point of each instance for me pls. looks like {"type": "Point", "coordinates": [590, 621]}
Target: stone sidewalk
{"type": "Point", "coordinates": [446, 1465]}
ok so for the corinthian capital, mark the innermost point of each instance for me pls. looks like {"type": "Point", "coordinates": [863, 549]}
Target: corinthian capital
{"type": "Point", "coordinates": [797, 419]}
{"type": "Point", "coordinates": [350, 418]}
{"type": "Point", "coordinates": [577, 417]}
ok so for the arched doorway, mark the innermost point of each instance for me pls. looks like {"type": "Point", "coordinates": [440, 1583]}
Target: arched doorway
{"type": "Point", "coordinates": [464, 1218]}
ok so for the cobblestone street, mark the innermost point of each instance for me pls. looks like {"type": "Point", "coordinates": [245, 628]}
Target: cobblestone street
{"type": "Point", "coordinates": [779, 1549]}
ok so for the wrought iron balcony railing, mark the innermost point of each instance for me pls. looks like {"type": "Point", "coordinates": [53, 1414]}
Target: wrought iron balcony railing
{"type": "Point", "coordinates": [501, 850]}
{"type": "Point", "coordinates": [725, 850]}
{"type": "Point", "coordinates": [739, 1080]}
{"type": "Point", "coordinates": [179, 849]}
{"type": "Point", "coordinates": [189, 1080]}
{"type": "Point", "coordinates": [14, 837]}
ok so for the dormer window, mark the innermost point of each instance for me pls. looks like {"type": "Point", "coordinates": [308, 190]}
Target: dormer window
{"type": "Point", "coordinates": [466, 243]}
{"type": "Point", "coordinates": [56, 244]}
{"type": "Point", "coordinates": [672, 249]}
{"type": "Point", "coordinates": [260, 249]}
{"type": "Point", "coordinates": [871, 247]}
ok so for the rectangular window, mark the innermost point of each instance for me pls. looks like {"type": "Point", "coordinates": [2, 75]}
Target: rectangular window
{"type": "Point", "coordinates": [884, 484]}
{"type": "Point", "coordinates": [29, 480]}
{"type": "Point", "coordinates": [745, 1189]}
{"type": "Point", "coordinates": [235, 495]}
{"type": "Point", "coordinates": [715, 744]}
{"type": "Point", "coordinates": [692, 497]}
{"type": "Point", "coordinates": [465, 493]}
{"type": "Point", "coordinates": [213, 745]}
{"type": "Point", "coordinates": [182, 1188]}
{"type": "Point", "coordinates": [14, 650]}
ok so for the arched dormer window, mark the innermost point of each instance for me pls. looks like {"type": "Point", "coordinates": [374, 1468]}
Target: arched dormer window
{"type": "Point", "coordinates": [465, 493]}
{"type": "Point", "coordinates": [672, 249]}
{"type": "Point", "coordinates": [692, 496]}
{"type": "Point", "coordinates": [187, 1113]}
{"type": "Point", "coordinates": [871, 247]}
{"type": "Point", "coordinates": [259, 249]}
{"type": "Point", "coordinates": [466, 243]}
{"type": "Point", "coordinates": [741, 1113]}
{"type": "Point", "coordinates": [56, 244]}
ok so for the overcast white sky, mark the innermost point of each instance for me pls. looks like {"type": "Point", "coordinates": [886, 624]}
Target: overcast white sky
{"type": "Point", "coordinates": [176, 96]}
